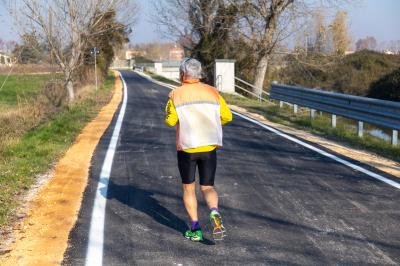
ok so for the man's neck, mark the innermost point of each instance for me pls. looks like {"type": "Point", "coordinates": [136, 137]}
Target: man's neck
{"type": "Point", "coordinates": [191, 81]}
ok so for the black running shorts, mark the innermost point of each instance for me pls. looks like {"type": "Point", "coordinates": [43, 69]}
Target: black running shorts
{"type": "Point", "coordinates": [206, 163]}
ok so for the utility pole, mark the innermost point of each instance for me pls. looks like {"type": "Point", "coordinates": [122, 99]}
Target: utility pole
{"type": "Point", "coordinates": [51, 38]}
{"type": "Point", "coordinates": [95, 51]}
{"type": "Point", "coordinates": [306, 50]}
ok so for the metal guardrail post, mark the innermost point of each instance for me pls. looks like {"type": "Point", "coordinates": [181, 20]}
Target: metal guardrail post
{"type": "Point", "coordinates": [333, 121]}
{"type": "Point", "coordinates": [360, 128]}
{"type": "Point", "coordinates": [395, 137]}
{"type": "Point", "coordinates": [312, 113]}
{"type": "Point", "coordinates": [295, 109]}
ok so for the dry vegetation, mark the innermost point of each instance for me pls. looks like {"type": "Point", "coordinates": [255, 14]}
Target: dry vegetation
{"type": "Point", "coordinates": [22, 69]}
{"type": "Point", "coordinates": [27, 101]}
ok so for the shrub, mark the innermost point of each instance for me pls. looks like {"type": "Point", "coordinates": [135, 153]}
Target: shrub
{"type": "Point", "coordinates": [352, 74]}
{"type": "Point", "coordinates": [387, 87]}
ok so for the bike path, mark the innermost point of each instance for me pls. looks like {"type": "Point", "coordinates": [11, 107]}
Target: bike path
{"type": "Point", "coordinates": [281, 202]}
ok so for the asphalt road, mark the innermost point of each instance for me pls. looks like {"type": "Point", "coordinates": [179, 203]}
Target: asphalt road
{"type": "Point", "coordinates": [282, 203]}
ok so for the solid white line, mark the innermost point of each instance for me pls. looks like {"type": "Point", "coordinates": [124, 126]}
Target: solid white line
{"type": "Point", "coordinates": [94, 255]}
{"type": "Point", "coordinates": [331, 156]}
{"type": "Point", "coordinates": [324, 153]}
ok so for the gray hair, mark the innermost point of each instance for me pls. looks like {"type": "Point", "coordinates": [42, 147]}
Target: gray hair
{"type": "Point", "coordinates": [191, 68]}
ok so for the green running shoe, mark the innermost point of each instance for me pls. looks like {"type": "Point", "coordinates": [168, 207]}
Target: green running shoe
{"type": "Point", "coordinates": [195, 235]}
{"type": "Point", "coordinates": [219, 231]}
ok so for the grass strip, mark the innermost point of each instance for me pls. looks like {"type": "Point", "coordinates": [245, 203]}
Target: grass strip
{"type": "Point", "coordinates": [163, 79]}
{"type": "Point", "coordinates": [38, 149]}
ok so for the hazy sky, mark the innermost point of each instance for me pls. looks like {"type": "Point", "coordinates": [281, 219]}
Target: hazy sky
{"type": "Point", "coordinates": [378, 18]}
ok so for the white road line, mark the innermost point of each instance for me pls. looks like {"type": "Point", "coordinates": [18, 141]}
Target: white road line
{"type": "Point", "coordinates": [324, 153]}
{"type": "Point", "coordinates": [331, 156]}
{"type": "Point", "coordinates": [94, 255]}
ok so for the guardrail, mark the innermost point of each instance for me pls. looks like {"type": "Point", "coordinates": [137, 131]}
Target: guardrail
{"type": "Point", "coordinates": [362, 109]}
{"type": "Point", "coordinates": [258, 96]}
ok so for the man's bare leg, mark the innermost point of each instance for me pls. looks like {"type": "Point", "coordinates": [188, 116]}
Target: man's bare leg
{"type": "Point", "coordinates": [190, 201]}
{"type": "Point", "coordinates": [210, 195]}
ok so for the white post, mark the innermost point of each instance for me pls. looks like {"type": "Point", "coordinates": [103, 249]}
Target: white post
{"type": "Point", "coordinates": [280, 104]}
{"type": "Point", "coordinates": [312, 113]}
{"type": "Point", "coordinates": [94, 52]}
{"type": "Point", "coordinates": [295, 109]}
{"type": "Point", "coordinates": [158, 68]}
{"type": "Point", "coordinates": [360, 128]}
{"type": "Point", "coordinates": [395, 137]}
{"type": "Point", "coordinates": [224, 75]}
{"type": "Point", "coordinates": [131, 63]}
{"type": "Point", "coordinates": [333, 121]}
{"type": "Point", "coordinates": [95, 66]}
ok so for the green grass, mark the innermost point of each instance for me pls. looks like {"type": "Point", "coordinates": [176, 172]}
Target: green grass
{"type": "Point", "coordinates": [39, 148]}
{"type": "Point", "coordinates": [321, 125]}
{"type": "Point", "coordinates": [19, 87]}
{"type": "Point", "coordinates": [163, 79]}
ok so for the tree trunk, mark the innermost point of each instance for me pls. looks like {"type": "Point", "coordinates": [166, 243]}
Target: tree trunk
{"type": "Point", "coordinates": [70, 89]}
{"type": "Point", "coordinates": [261, 70]}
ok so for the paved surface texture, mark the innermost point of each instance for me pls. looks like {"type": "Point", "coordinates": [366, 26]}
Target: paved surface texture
{"type": "Point", "coordinates": [281, 203]}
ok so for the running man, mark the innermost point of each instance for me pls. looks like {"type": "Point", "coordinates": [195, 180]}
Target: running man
{"type": "Point", "coordinates": [199, 113]}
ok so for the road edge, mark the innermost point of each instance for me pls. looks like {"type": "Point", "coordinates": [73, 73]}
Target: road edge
{"type": "Point", "coordinates": [44, 233]}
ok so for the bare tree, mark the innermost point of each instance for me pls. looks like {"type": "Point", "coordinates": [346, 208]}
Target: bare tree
{"type": "Point", "coordinates": [202, 27]}
{"type": "Point", "coordinates": [262, 24]}
{"type": "Point", "coordinates": [320, 31]}
{"type": "Point", "coordinates": [65, 25]}
{"type": "Point", "coordinates": [340, 34]}
{"type": "Point", "coordinates": [368, 43]}
{"type": "Point", "coordinates": [189, 20]}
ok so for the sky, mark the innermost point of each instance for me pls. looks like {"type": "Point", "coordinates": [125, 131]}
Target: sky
{"type": "Point", "coordinates": [378, 18]}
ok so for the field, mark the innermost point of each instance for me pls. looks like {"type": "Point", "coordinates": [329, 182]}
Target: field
{"type": "Point", "coordinates": [19, 88]}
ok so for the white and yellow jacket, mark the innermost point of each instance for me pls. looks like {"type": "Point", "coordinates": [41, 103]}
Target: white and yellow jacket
{"type": "Point", "coordinates": [199, 113]}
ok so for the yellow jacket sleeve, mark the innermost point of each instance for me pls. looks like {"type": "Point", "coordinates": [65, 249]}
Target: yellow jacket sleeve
{"type": "Point", "coordinates": [226, 114]}
{"type": "Point", "coordinates": [171, 117]}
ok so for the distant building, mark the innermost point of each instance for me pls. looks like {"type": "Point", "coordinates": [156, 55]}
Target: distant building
{"type": "Point", "coordinates": [132, 53]}
{"type": "Point", "coordinates": [390, 52]}
{"type": "Point", "coordinates": [176, 53]}
{"type": "Point", "coordinates": [5, 60]}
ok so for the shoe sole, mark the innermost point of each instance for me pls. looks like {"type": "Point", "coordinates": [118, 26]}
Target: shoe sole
{"type": "Point", "coordinates": [194, 240]}
{"type": "Point", "coordinates": [219, 231]}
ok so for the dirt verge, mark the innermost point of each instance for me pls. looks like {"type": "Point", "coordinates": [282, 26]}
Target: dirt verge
{"type": "Point", "coordinates": [42, 237]}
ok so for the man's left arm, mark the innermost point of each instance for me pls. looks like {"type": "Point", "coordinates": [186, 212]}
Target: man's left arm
{"type": "Point", "coordinates": [226, 114]}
